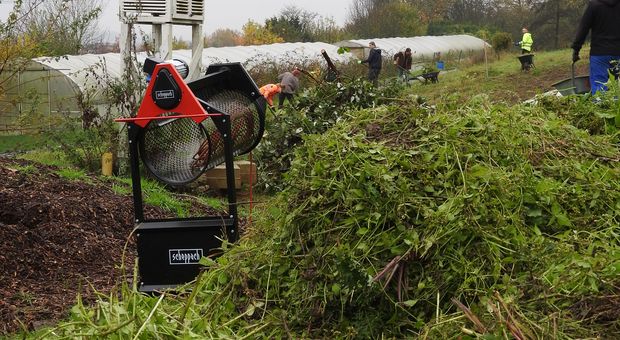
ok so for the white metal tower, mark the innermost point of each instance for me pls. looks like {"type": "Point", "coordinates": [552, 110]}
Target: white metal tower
{"type": "Point", "coordinates": [162, 15]}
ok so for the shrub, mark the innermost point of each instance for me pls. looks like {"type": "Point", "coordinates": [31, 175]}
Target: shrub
{"type": "Point", "coordinates": [502, 41]}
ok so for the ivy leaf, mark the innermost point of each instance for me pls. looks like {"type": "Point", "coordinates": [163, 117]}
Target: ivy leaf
{"type": "Point", "coordinates": [410, 303]}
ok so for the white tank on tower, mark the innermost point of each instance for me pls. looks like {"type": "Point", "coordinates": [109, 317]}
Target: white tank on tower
{"type": "Point", "coordinates": [163, 15]}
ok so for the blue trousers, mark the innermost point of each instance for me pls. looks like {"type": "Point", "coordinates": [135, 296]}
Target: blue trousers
{"type": "Point", "coordinates": [599, 71]}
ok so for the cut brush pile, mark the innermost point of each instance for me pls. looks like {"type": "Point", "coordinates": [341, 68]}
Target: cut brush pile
{"type": "Point", "coordinates": [405, 221]}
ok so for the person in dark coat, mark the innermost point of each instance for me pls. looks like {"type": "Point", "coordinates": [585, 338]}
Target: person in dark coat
{"type": "Point", "coordinates": [374, 63]}
{"type": "Point", "coordinates": [289, 83]}
{"type": "Point", "coordinates": [403, 60]}
{"type": "Point", "coordinates": [602, 18]}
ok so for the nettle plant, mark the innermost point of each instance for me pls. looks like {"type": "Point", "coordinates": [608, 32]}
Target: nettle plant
{"type": "Point", "coordinates": [601, 118]}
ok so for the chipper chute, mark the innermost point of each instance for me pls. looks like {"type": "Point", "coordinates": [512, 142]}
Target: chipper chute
{"type": "Point", "coordinates": [180, 131]}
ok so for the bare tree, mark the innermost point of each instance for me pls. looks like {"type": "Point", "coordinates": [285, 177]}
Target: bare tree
{"type": "Point", "coordinates": [64, 26]}
{"type": "Point", "coordinates": [384, 18]}
{"type": "Point", "coordinates": [552, 22]}
{"type": "Point", "coordinates": [556, 21]}
{"type": "Point", "coordinates": [432, 10]}
{"type": "Point", "coordinates": [15, 49]}
{"type": "Point", "coordinates": [224, 37]}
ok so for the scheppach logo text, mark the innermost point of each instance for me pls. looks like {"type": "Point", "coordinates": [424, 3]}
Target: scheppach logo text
{"type": "Point", "coordinates": [184, 256]}
{"type": "Point", "coordinates": [166, 94]}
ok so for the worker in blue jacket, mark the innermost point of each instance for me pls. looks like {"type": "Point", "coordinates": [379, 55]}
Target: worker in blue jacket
{"type": "Point", "coordinates": [602, 18]}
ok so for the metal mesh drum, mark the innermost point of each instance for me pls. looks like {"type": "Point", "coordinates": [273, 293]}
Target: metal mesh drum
{"type": "Point", "coordinates": [245, 127]}
{"type": "Point", "coordinates": [168, 149]}
{"type": "Point", "coordinates": [178, 150]}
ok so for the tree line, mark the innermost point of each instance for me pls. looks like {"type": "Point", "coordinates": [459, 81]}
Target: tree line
{"type": "Point", "coordinates": [552, 22]}
{"type": "Point", "coordinates": [36, 28]}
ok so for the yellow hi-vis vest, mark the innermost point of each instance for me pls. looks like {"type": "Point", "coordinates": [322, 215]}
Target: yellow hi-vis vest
{"type": "Point", "coordinates": [527, 41]}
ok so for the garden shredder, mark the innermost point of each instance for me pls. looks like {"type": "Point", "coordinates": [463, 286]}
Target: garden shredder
{"type": "Point", "coordinates": [180, 131]}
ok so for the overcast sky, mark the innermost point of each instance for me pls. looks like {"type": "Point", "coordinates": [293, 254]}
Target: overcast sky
{"type": "Point", "coordinates": [224, 13]}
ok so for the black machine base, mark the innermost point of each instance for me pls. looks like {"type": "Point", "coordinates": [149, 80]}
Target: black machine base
{"type": "Point", "coordinates": [169, 251]}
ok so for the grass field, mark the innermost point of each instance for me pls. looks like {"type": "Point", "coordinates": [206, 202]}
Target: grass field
{"type": "Point", "coordinates": [21, 143]}
{"type": "Point", "coordinates": [502, 80]}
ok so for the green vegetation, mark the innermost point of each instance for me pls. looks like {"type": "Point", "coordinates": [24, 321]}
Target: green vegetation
{"type": "Point", "coordinates": [214, 202]}
{"type": "Point", "coordinates": [502, 79]}
{"type": "Point", "coordinates": [156, 194]}
{"type": "Point", "coordinates": [468, 218]}
{"type": "Point", "coordinates": [316, 110]}
{"type": "Point", "coordinates": [73, 174]}
{"type": "Point", "coordinates": [83, 147]}
{"type": "Point", "coordinates": [501, 41]}
{"type": "Point", "coordinates": [21, 143]}
{"type": "Point", "coordinates": [28, 169]}
{"type": "Point", "coordinates": [46, 156]}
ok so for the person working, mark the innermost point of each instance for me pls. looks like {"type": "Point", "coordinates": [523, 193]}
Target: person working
{"type": "Point", "coordinates": [602, 18]}
{"type": "Point", "coordinates": [402, 60]}
{"type": "Point", "coordinates": [526, 41]}
{"type": "Point", "coordinates": [374, 63]}
{"type": "Point", "coordinates": [269, 91]}
{"type": "Point", "coordinates": [289, 84]}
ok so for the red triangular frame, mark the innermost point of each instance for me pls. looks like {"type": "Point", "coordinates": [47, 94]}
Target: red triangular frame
{"type": "Point", "coordinates": [189, 105]}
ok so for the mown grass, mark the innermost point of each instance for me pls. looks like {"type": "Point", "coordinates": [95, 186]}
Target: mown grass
{"type": "Point", "coordinates": [74, 174]}
{"type": "Point", "coordinates": [47, 157]}
{"type": "Point", "coordinates": [502, 80]}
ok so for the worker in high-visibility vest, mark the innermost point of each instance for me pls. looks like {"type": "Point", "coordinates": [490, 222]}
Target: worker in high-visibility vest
{"type": "Point", "coordinates": [526, 42]}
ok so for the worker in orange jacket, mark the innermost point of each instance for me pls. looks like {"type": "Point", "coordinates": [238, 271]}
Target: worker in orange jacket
{"type": "Point", "coordinates": [269, 91]}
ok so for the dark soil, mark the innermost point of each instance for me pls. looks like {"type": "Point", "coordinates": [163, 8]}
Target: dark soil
{"type": "Point", "coordinates": [59, 238]}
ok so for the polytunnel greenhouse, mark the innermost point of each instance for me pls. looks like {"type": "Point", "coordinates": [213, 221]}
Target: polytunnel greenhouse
{"type": "Point", "coordinates": [50, 86]}
{"type": "Point", "coordinates": [454, 47]}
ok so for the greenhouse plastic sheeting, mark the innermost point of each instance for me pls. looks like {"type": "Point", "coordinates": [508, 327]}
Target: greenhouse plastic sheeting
{"type": "Point", "coordinates": [77, 67]}
{"type": "Point", "coordinates": [423, 46]}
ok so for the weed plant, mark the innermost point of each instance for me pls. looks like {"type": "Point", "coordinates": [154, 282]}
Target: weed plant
{"type": "Point", "coordinates": [601, 118]}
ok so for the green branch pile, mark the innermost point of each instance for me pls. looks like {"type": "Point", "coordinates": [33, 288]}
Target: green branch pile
{"type": "Point", "coordinates": [315, 111]}
{"type": "Point", "coordinates": [404, 221]}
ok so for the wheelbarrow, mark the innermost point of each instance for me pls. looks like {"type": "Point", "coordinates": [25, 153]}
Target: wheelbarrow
{"type": "Point", "coordinates": [424, 78]}
{"type": "Point", "coordinates": [527, 61]}
{"type": "Point", "coordinates": [574, 84]}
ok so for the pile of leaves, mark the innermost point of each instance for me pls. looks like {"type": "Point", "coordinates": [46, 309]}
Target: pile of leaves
{"type": "Point", "coordinates": [315, 111]}
{"type": "Point", "coordinates": [602, 118]}
{"type": "Point", "coordinates": [406, 221]}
